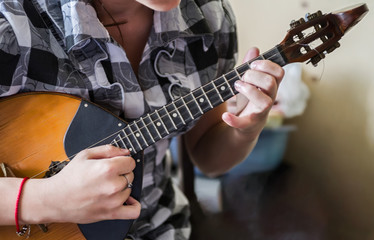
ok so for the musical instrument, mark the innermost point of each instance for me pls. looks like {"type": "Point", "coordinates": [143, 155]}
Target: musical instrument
{"type": "Point", "coordinates": [39, 128]}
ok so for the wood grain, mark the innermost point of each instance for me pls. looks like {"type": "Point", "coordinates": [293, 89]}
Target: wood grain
{"type": "Point", "coordinates": [32, 130]}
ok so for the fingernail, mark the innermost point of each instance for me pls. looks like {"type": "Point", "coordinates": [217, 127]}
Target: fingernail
{"type": "Point", "coordinates": [125, 151]}
{"type": "Point", "coordinates": [238, 85]}
{"type": "Point", "coordinates": [254, 65]}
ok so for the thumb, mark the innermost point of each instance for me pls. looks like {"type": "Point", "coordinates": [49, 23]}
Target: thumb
{"type": "Point", "coordinates": [233, 121]}
{"type": "Point", "coordinates": [251, 54]}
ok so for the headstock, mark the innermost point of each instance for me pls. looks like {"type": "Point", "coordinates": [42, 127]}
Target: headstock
{"type": "Point", "coordinates": [310, 38]}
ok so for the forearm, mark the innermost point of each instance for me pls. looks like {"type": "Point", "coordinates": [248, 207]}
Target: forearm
{"type": "Point", "coordinates": [30, 207]}
{"type": "Point", "coordinates": [221, 148]}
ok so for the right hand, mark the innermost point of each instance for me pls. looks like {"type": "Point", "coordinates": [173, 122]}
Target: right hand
{"type": "Point", "coordinates": [90, 188]}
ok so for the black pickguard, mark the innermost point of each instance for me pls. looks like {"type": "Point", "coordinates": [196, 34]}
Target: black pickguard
{"type": "Point", "coordinates": [94, 126]}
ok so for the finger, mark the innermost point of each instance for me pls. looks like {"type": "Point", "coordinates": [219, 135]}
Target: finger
{"type": "Point", "coordinates": [125, 193]}
{"type": "Point", "coordinates": [128, 180]}
{"type": "Point", "coordinates": [117, 185]}
{"type": "Point", "coordinates": [122, 164]}
{"type": "Point", "coordinates": [269, 67]}
{"type": "Point", "coordinates": [258, 99]}
{"type": "Point", "coordinates": [251, 54]}
{"type": "Point", "coordinates": [129, 211]}
{"type": "Point", "coordinates": [235, 121]}
{"type": "Point", "coordinates": [265, 82]}
{"type": "Point", "coordinates": [104, 151]}
{"type": "Point", "coordinates": [132, 201]}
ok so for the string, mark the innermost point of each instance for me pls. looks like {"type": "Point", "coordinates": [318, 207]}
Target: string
{"type": "Point", "coordinates": [176, 109]}
{"type": "Point", "coordinates": [132, 133]}
{"type": "Point", "coordinates": [115, 23]}
{"type": "Point", "coordinates": [322, 59]}
{"type": "Point", "coordinates": [323, 70]}
{"type": "Point", "coordinates": [237, 76]}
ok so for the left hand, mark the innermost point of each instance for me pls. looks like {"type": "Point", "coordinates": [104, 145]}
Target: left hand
{"type": "Point", "coordinates": [257, 92]}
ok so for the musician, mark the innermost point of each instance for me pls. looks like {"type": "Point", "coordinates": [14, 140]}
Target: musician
{"type": "Point", "coordinates": [130, 57]}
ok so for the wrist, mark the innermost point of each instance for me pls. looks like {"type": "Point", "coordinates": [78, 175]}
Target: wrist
{"type": "Point", "coordinates": [32, 205]}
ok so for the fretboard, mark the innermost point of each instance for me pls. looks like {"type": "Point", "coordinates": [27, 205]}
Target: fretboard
{"type": "Point", "coordinates": [148, 129]}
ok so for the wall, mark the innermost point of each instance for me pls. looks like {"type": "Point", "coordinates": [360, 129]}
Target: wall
{"type": "Point", "coordinates": [334, 143]}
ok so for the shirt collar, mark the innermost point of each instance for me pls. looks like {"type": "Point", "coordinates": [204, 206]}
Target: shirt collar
{"type": "Point", "coordinates": [186, 20]}
{"type": "Point", "coordinates": [78, 23]}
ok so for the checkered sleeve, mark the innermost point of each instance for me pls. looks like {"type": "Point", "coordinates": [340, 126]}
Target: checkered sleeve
{"type": "Point", "coordinates": [222, 23]}
{"type": "Point", "coordinates": [9, 58]}
{"type": "Point", "coordinates": [227, 40]}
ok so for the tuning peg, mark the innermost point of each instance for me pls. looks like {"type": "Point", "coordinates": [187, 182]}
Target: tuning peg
{"type": "Point", "coordinates": [314, 60]}
{"type": "Point", "coordinates": [295, 23]}
{"type": "Point", "coordinates": [309, 16]}
{"type": "Point", "coordinates": [333, 47]}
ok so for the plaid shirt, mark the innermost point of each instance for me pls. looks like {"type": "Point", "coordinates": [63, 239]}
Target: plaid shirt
{"type": "Point", "coordinates": [62, 47]}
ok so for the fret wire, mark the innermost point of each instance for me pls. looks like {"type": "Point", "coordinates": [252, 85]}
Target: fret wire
{"type": "Point", "coordinates": [136, 139]}
{"type": "Point", "coordinates": [224, 77]}
{"type": "Point", "coordinates": [167, 113]}
{"type": "Point", "coordinates": [198, 106]}
{"type": "Point", "coordinates": [210, 104]}
{"type": "Point", "coordinates": [183, 110]}
{"type": "Point", "coordinates": [238, 74]}
{"type": "Point", "coordinates": [202, 99]}
{"type": "Point", "coordinates": [173, 112]}
{"type": "Point", "coordinates": [115, 142]}
{"type": "Point", "coordinates": [187, 108]}
{"type": "Point", "coordinates": [242, 69]}
{"type": "Point", "coordinates": [154, 125]}
{"type": "Point", "coordinates": [141, 134]}
{"type": "Point", "coordinates": [212, 95]}
{"type": "Point", "coordinates": [162, 122]}
{"type": "Point", "coordinates": [215, 87]}
{"type": "Point", "coordinates": [180, 115]}
{"type": "Point", "coordinates": [132, 149]}
{"type": "Point", "coordinates": [122, 141]}
{"type": "Point", "coordinates": [260, 57]}
{"type": "Point", "coordinates": [248, 64]}
{"type": "Point", "coordinates": [145, 126]}
{"type": "Point", "coordinates": [283, 63]}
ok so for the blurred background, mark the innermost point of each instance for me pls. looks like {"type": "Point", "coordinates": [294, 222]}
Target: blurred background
{"type": "Point", "coordinates": [322, 187]}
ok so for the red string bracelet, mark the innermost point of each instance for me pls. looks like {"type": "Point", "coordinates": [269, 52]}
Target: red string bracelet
{"type": "Point", "coordinates": [25, 227]}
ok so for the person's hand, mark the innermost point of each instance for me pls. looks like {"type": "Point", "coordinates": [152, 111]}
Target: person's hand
{"type": "Point", "coordinates": [257, 92]}
{"type": "Point", "coordinates": [90, 188]}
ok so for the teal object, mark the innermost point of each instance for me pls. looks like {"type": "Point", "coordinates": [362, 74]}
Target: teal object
{"type": "Point", "coordinates": [267, 154]}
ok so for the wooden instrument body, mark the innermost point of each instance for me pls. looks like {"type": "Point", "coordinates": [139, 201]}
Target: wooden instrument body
{"type": "Point", "coordinates": [38, 128]}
